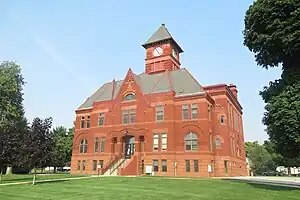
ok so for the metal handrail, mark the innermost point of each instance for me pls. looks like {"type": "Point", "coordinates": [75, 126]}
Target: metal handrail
{"type": "Point", "coordinates": [112, 162]}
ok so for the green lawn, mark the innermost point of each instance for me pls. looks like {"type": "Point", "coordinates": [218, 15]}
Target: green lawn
{"type": "Point", "coordinates": [28, 177]}
{"type": "Point", "coordinates": [147, 188]}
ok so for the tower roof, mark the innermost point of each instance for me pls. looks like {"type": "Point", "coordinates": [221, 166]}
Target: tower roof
{"type": "Point", "coordinates": [161, 35]}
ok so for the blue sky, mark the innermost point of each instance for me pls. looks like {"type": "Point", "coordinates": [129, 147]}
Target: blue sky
{"type": "Point", "coordinates": [67, 49]}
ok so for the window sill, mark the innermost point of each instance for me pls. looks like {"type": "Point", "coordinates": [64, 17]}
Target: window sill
{"type": "Point", "coordinates": [129, 101]}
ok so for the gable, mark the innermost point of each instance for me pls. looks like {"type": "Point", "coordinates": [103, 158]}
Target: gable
{"type": "Point", "coordinates": [180, 81]}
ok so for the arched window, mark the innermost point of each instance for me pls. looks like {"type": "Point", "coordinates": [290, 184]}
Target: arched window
{"type": "Point", "coordinates": [222, 119]}
{"type": "Point", "coordinates": [218, 143]}
{"type": "Point", "coordinates": [130, 96]}
{"type": "Point", "coordinates": [191, 142]}
{"type": "Point", "coordinates": [83, 146]}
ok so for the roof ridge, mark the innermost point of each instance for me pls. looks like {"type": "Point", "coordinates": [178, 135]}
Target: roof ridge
{"type": "Point", "coordinates": [171, 86]}
{"type": "Point", "coordinates": [161, 33]}
{"type": "Point", "coordinates": [113, 88]}
{"type": "Point", "coordinates": [194, 78]}
{"type": "Point", "coordinates": [155, 85]}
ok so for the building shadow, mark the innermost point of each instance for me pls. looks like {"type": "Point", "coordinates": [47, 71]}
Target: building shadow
{"type": "Point", "coordinates": [265, 186]}
{"type": "Point", "coordinates": [51, 181]}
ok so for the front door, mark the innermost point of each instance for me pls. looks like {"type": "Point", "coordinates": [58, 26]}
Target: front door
{"type": "Point", "coordinates": [129, 146]}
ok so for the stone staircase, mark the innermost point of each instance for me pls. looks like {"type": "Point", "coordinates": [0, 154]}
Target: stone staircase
{"type": "Point", "coordinates": [113, 170]}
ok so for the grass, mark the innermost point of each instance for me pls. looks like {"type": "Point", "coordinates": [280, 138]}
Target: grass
{"type": "Point", "coordinates": [147, 188]}
{"type": "Point", "coordinates": [11, 178]}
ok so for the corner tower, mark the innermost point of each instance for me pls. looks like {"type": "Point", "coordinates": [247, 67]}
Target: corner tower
{"type": "Point", "coordinates": [162, 52]}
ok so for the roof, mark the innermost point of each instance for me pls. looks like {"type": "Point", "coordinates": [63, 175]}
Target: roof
{"type": "Point", "coordinates": [180, 81]}
{"type": "Point", "coordinates": [161, 34]}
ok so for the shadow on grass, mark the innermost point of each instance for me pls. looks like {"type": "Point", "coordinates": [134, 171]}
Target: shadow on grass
{"type": "Point", "coordinates": [265, 186]}
{"type": "Point", "coordinates": [25, 179]}
{"type": "Point", "coordinates": [51, 181]}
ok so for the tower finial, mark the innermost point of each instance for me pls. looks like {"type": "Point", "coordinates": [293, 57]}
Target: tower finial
{"type": "Point", "coordinates": [163, 24]}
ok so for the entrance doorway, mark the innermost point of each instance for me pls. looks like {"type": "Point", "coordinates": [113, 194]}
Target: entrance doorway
{"type": "Point", "coordinates": [114, 141]}
{"type": "Point", "coordinates": [129, 146]}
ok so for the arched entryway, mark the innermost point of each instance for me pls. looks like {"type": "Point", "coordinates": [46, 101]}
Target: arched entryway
{"type": "Point", "coordinates": [129, 147]}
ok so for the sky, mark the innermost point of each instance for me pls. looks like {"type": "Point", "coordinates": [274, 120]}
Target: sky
{"type": "Point", "coordinates": [68, 48]}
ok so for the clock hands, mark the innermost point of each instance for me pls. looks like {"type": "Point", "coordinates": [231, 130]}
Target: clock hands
{"type": "Point", "coordinates": [157, 52]}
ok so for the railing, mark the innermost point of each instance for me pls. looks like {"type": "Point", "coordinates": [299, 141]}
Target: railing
{"type": "Point", "coordinates": [117, 166]}
{"type": "Point", "coordinates": [112, 161]}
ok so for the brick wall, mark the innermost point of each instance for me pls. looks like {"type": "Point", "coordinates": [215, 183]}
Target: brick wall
{"type": "Point", "coordinates": [176, 129]}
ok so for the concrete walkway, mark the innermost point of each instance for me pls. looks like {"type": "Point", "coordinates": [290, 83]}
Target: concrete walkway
{"type": "Point", "coordinates": [293, 182]}
{"type": "Point", "coordinates": [46, 181]}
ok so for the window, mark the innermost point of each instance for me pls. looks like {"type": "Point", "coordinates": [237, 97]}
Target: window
{"type": "Point", "coordinates": [155, 142]}
{"type": "Point", "coordinates": [132, 116]}
{"type": "Point", "coordinates": [125, 117]}
{"type": "Point", "coordinates": [187, 166]}
{"type": "Point", "coordinates": [101, 163]}
{"type": "Point", "coordinates": [194, 111]}
{"type": "Point", "coordinates": [102, 144]}
{"type": "Point", "coordinates": [101, 119]}
{"type": "Point", "coordinates": [211, 142]}
{"type": "Point", "coordinates": [96, 144]}
{"type": "Point", "coordinates": [83, 165]}
{"type": "Point", "coordinates": [82, 122]}
{"type": "Point", "coordinates": [226, 166]}
{"type": "Point", "coordinates": [164, 142]}
{"type": "Point", "coordinates": [155, 165]}
{"type": "Point", "coordinates": [231, 146]}
{"type": "Point", "coordinates": [164, 167]}
{"type": "Point", "coordinates": [159, 112]}
{"type": "Point", "coordinates": [185, 111]}
{"type": "Point", "coordinates": [129, 97]}
{"type": "Point", "coordinates": [78, 165]}
{"type": "Point", "coordinates": [94, 165]}
{"type": "Point", "coordinates": [196, 166]}
{"type": "Point", "coordinates": [128, 116]}
{"type": "Point", "coordinates": [83, 146]}
{"type": "Point", "coordinates": [88, 122]}
{"type": "Point", "coordinates": [222, 119]}
{"type": "Point", "coordinates": [218, 143]}
{"type": "Point", "coordinates": [209, 112]}
{"type": "Point", "coordinates": [191, 142]}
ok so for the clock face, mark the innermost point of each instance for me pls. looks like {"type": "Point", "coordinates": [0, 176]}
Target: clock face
{"type": "Point", "coordinates": [174, 54]}
{"type": "Point", "coordinates": [158, 51]}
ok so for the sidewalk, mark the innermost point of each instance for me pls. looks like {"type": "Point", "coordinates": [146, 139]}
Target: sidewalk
{"type": "Point", "coordinates": [45, 181]}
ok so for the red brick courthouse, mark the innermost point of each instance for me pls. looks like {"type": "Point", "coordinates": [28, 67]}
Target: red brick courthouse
{"type": "Point", "coordinates": [161, 122]}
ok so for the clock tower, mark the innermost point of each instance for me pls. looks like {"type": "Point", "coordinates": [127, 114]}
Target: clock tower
{"type": "Point", "coordinates": [162, 52]}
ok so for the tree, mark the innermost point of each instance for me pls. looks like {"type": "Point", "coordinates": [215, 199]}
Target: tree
{"type": "Point", "coordinates": [272, 33]}
{"type": "Point", "coordinates": [249, 145]}
{"type": "Point", "coordinates": [283, 121]}
{"type": "Point", "coordinates": [260, 159]}
{"type": "Point", "coordinates": [62, 150]}
{"type": "Point", "coordinates": [12, 119]}
{"type": "Point", "coordinates": [277, 158]}
{"type": "Point", "coordinates": [38, 144]}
